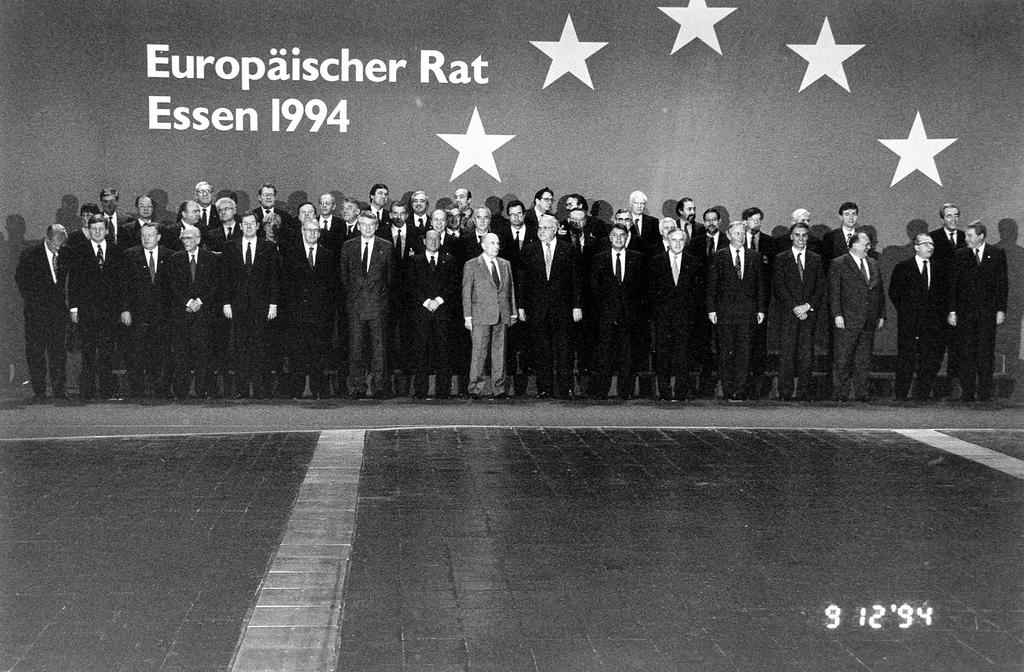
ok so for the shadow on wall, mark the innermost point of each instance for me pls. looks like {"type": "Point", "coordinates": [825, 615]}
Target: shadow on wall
{"type": "Point", "coordinates": [1008, 338]}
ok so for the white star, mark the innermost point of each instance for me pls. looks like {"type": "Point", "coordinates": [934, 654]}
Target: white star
{"type": "Point", "coordinates": [476, 148]}
{"type": "Point", "coordinates": [825, 58]}
{"type": "Point", "coordinates": [917, 152]}
{"type": "Point", "coordinates": [697, 20]}
{"type": "Point", "coordinates": [568, 55]}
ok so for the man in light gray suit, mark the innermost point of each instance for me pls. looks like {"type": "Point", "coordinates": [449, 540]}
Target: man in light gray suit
{"type": "Point", "coordinates": [489, 308]}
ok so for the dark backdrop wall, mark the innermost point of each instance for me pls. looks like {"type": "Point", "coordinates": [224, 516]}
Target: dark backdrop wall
{"type": "Point", "coordinates": [731, 129]}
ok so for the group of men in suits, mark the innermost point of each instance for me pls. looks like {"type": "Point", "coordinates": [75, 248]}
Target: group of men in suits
{"type": "Point", "coordinates": [474, 297]}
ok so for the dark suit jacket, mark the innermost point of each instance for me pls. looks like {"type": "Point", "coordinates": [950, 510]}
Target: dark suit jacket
{"type": "Point", "coordinates": [860, 303]}
{"type": "Point", "coordinates": [44, 299]}
{"type": "Point", "coordinates": [698, 247]}
{"type": "Point", "coordinates": [250, 291]}
{"type": "Point", "coordinates": [920, 307]}
{"type": "Point", "coordinates": [127, 231]}
{"type": "Point", "coordinates": [767, 251]}
{"type": "Point", "coordinates": [311, 293]}
{"type": "Point", "coordinates": [368, 293]}
{"type": "Point", "coordinates": [181, 289]}
{"type": "Point", "coordinates": [787, 287]}
{"type": "Point", "coordinates": [943, 249]}
{"type": "Point", "coordinates": [833, 246]}
{"type": "Point", "coordinates": [672, 303]}
{"type": "Point", "coordinates": [649, 234]}
{"type": "Point", "coordinates": [486, 303]}
{"type": "Point", "coordinates": [336, 236]}
{"type": "Point", "coordinates": [423, 283]}
{"type": "Point", "coordinates": [736, 300]}
{"type": "Point", "coordinates": [509, 249]}
{"type": "Point", "coordinates": [541, 297]}
{"type": "Point", "coordinates": [979, 290]}
{"type": "Point", "coordinates": [411, 241]}
{"type": "Point", "coordinates": [616, 302]}
{"type": "Point", "coordinates": [93, 288]}
{"type": "Point", "coordinates": [141, 295]}
{"type": "Point", "coordinates": [212, 218]}
{"type": "Point", "coordinates": [214, 238]}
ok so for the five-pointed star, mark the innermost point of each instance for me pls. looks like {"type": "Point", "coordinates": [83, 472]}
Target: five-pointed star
{"type": "Point", "coordinates": [476, 148]}
{"type": "Point", "coordinates": [568, 55]}
{"type": "Point", "coordinates": [825, 58]}
{"type": "Point", "coordinates": [697, 20]}
{"type": "Point", "coordinates": [917, 152]}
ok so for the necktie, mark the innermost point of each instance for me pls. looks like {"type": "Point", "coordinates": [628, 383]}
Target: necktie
{"type": "Point", "coordinates": [310, 258]}
{"type": "Point", "coordinates": [192, 266]}
{"type": "Point", "coordinates": [849, 237]}
{"type": "Point", "coordinates": [675, 269]}
{"type": "Point", "coordinates": [152, 268]}
{"type": "Point", "coordinates": [711, 245]}
{"type": "Point", "coordinates": [952, 239]}
{"type": "Point", "coordinates": [433, 262]}
{"type": "Point", "coordinates": [205, 220]}
{"type": "Point", "coordinates": [800, 264]}
{"type": "Point", "coordinates": [739, 266]}
{"type": "Point", "coordinates": [977, 255]}
{"type": "Point", "coordinates": [864, 270]}
{"type": "Point", "coordinates": [419, 222]}
{"type": "Point", "coordinates": [636, 226]}
{"type": "Point", "coordinates": [228, 232]}
{"type": "Point", "coordinates": [99, 255]}
{"type": "Point", "coordinates": [113, 227]}
{"type": "Point", "coordinates": [618, 267]}
{"type": "Point", "coordinates": [248, 254]}
{"type": "Point", "coordinates": [519, 242]}
{"type": "Point", "coordinates": [547, 260]}
{"type": "Point", "coordinates": [53, 268]}
{"type": "Point", "coordinates": [398, 243]}
{"type": "Point", "coordinates": [924, 273]}
{"type": "Point", "coordinates": [366, 257]}
{"type": "Point", "coordinates": [494, 274]}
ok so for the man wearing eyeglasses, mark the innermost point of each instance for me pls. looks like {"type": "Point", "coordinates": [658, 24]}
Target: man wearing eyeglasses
{"type": "Point", "coordinates": [192, 295]}
{"type": "Point", "coordinates": [543, 203]}
{"type": "Point", "coordinates": [919, 289]}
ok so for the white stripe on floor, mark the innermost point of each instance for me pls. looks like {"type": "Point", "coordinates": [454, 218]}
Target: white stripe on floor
{"type": "Point", "coordinates": [296, 623]}
{"type": "Point", "coordinates": [950, 444]}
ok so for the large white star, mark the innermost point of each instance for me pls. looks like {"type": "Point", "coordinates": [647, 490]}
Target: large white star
{"type": "Point", "coordinates": [825, 58]}
{"type": "Point", "coordinates": [476, 148]}
{"type": "Point", "coordinates": [568, 55]}
{"type": "Point", "coordinates": [697, 20]}
{"type": "Point", "coordinates": [917, 152]}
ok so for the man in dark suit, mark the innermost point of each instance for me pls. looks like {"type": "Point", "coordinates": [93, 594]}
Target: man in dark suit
{"type": "Point", "coordinates": [188, 215]}
{"type": "Point", "coordinates": [919, 290]}
{"type": "Point", "coordinates": [550, 301]}
{"type": "Point", "coordinates": [419, 218]}
{"type": "Point", "coordinates": [288, 234]}
{"type": "Point", "coordinates": [617, 283]}
{"type": "Point", "coordinates": [676, 286]}
{"type": "Point", "coordinates": [120, 227]}
{"type": "Point", "coordinates": [454, 241]}
{"type": "Point", "coordinates": [406, 244]}
{"type": "Point", "coordinates": [192, 282]}
{"type": "Point", "coordinates": [249, 289]}
{"type": "Point", "coordinates": [798, 286]}
{"type": "Point", "coordinates": [488, 308]}
{"type": "Point", "coordinates": [764, 246]}
{"type": "Point", "coordinates": [228, 226]}
{"type": "Point", "coordinates": [310, 282]}
{"type": "Point", "coordinates": [737, 302]}
{"type": "Point", "coordinates": [857, 305]}
{"type": "Point", "coordinates": [643, 226]}
{"type": "Point", "coordinates": [332, 227]}
{"type": "Point", "coordinates": [41, 281]}
{"type": "Point", "coordinates": [948, 238]}
{"type": "Point", "coordinates": [686, 218]}
{"type": "Point", "coordinates": [145, 209]}
{"type": "Point", "coordinates": [585, 244]}
{"type": "Point", "coordinates": [81, 236]}
{"type": "Point", "coordinates": [977, 306]}
{"type": "Point", "coordinates": [515, 235]}
{"type": "Point", "coordinates": [93, 277]}
{"type": "Point", "coordinates": [368, 278]}
{"type": "Point", "coordinates": [592, 225]}
{"type": "Point", "coordinates": [379, 196]}
{"type": "Point", "coordinates": [543, 201]}
{"type": "Point", "coordinates": [432, 283]}
{"type": "Point", "coordinates": [143, 313]}
{"type": "Point", "coordinates": [703, 248]}
{"type": "Point", "coordinates": [836, 243]}
{"type": "Point", "coordinates": [208, 215]}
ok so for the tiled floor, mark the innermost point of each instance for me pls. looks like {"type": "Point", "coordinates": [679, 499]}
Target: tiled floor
{"type": "Point", "coordinates": [138, 554]}
{"type": "Point", "coordinates": [538, 549]}
{"type": "Point", "coordinates": [516, 549]}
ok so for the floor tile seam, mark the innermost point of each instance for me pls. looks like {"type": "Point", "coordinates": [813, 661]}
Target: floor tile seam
{"type": "Point", "coordinates": [970, 451]}
{"type": "Point", "coordinates": [334, 447]}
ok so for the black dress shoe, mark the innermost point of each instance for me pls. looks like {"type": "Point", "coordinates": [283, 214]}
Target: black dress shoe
{"type": "Point", "coordinates": [865, 399]}
{"type": "Point", "coordinates": [501, 396]}
{"type": "Point", "coordinates": [380, 395]}
{"type": "Point", "coordinates": [357, 395]}
{"type": "Point", "coordinates": [543, 395]}
{"type": "Point", "coordinates": [474, 397]}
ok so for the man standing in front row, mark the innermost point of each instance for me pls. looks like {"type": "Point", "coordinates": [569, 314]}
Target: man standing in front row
{"type": "Point", "coordinates": [367, 277]}
{"type": "Point", "coordinates": [798, 285]}
{"type": "Point", "coordinates": [736, 305]}
{"type": "Point", "coordinates": [488, 309]}
{"type": "Point", "coordinates": [918, 288]}
{"type": "Point", "coordinates": [193, 283]}
{"type": "Point", "coordinates": [41, 282]}
{"type": "Point", "coordinates": [432, 284]}
{"type": "Point", "coordinates": [143, 313]}
{"type": "Point", "coordinates": [857, 301]}
{"type": "Point", "coordinates": [977, 306]}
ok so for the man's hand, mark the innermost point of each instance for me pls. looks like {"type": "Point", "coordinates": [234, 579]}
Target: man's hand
{"type": "Point", "coordinates": [271, 312]}
{"type": "Point", "coordinates": [1000, 317]}
{"type": "Point", "coordinates": [713, 317]}
{"type": "Point", "coordinates": [469, 323]}
{"type": "Point", "coordinates": [522, 315]}
{"type": "Point", "coordinates": [840, 323]}
{"type": "Point", "coordinates": [126, 318]}
{"type": "Point", "coordinates": [951, 318]}
{"type": "Point", "coordinates": [577, 314]}
{"type": "Point", "coordinates": [227, 310]}
{"type": "Point", "coordinates": [760, 318]}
